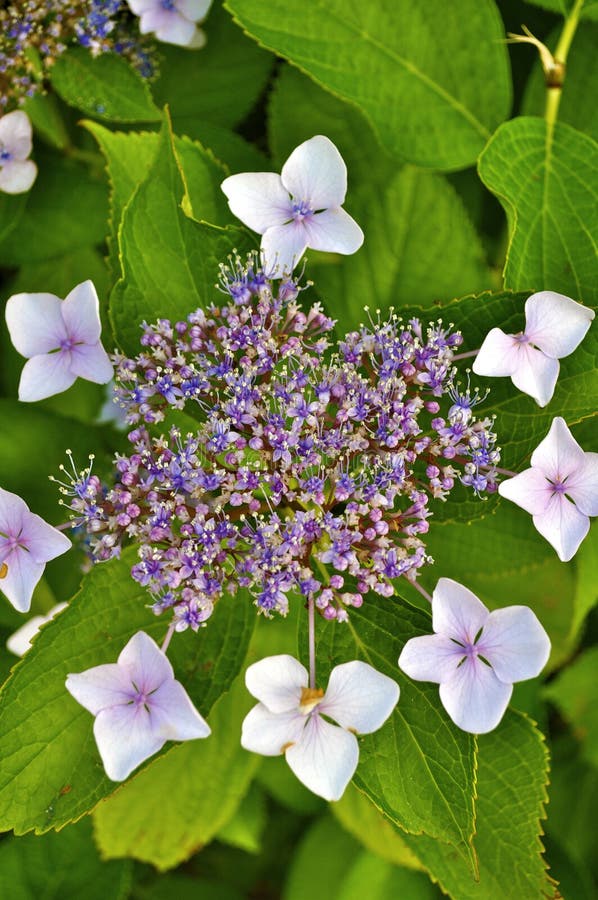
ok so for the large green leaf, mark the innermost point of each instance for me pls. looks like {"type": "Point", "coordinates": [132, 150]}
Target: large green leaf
{"type": "Point", "coordinates": [12, 207]}
{"type": "Point", "coordinates": [419, 769]}
{"type": "Point", "coordinates": [169, 262]}
{"type": "Point", "coordinates": [511, 790]}
{"type": "Point", "coordinates": [577, 106]}
{"type": "Point", "coordinates": [546, 180]}
{"type": "Point", "coordinates": [575, 693]}
{"type": "Point", "coordinates": [60, 866]}
{"type": "Point", "coordinates": [164, 814]}
{"type": "Point", "coordinates": [420, 247]}
{"type": "Point", "coordinates": [298, 108]}
{"type": "Point", "coordinates": [432, 78]}
{"type": "Point", "coordinates": [218, 84]}
{"type": "Point", "coordinates": [371, 877]}
{"type": "Point", "coordinates": [52, 222]}
{"type": "Point", "coordinates": [105, 86]}
{"type": "Point", "coordinates": [51, 771]}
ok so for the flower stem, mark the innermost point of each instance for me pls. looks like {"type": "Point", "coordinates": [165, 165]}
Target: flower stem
{"type": "Point", "coordinates": [421, 590]}
{"type": "Point", "coordinates": [311, 615]}
{"type": "Point", "coordinates": [64, 526]}
{"type": "Point", "coordinates": [467, 355]}
{"type": "Point", "coordinates": [167, 638]}
{"type": "Point", "coordinates": [555, 87]}
{"type": "Point", "coordinates": [505, 472]}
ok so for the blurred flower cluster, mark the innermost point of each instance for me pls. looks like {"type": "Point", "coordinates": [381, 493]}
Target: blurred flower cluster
{"type": "Point", "coordinates": [34, 33]}
{"type": "Point", "coordinates": [302, 465]}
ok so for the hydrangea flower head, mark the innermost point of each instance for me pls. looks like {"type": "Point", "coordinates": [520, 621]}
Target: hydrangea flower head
{"type": "Point", "coordinates": [138, 705]}
{"type": "Point", "coordinates": [560, 489]}
{"type": "Point", "coordinates": [311, 466]}
{"type": "Point", "coordinates": [554, 326]}
{"type": "Point", "coordinates": [289, 718]}
{"type": "Point", "coordinates": [61, 340]}
{"type": "Point", "coordinates": [475, 655]}
{"type": "Point", "coordinates": [27, 543]}
{"type": "Point", "coordinates": [300, 208]}
{"type": "Point", "coordinates": [17, 172]}
{"type": "Point", "coordinates": [172, 21]}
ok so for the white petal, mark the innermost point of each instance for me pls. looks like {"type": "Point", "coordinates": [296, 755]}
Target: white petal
{"type": "Point", "coordinates": [497, 357]}
{"type": "Point", "coordinates": [316, 174]}
{"type": "Point", "coordinates": [100, 687]}
{"type": "Point", "coordinates": [582, 486]}
{"type": "Point", "coordinates": [13, 510]}
{"type": "Point", "coordinates": [431, 657]}
{"type": "Point", "coordinates": [555, 323]}
{"type": "Point", "coordinates": [174, 715]}
{"type": "Point", "coordinates": [198, 39]}
{"type": "Point", "coordinates": [194, 10]}
{"type": "Point", "coordinates": [178, 30]}
{"type": "Point", "coordinates": [92, 363]}
{"type": "Point", "coordinates": [42, 540]}
{"type": "Point", "coordinates": [258, 199]}
{"type": "Point", "coordinates": [145, 663]}
{"type": "Point", "coordinates": [17, 177]}
{"type": "Point", "coordinates": [81, 313]}
{"type": "Point", "coordinates": [563, 526]}
{"type": "Point", "coordinates": [141, 6]}
{"type": "Point", "coordinates": [271, 733]}
{"type": "Point", "coordinates": [35, 323]}
{"type": "Point", "coordinates": [530, 490]}
{"type": "Point", "coordinates": [559, 455]}
{"type": "Point", "coordinates": [125, 738]}
{"type": "Point", "coordinates": [325, 758]}
{"type": "Point", "coordinates": [44, 376]}
{"type": "Point", "coordinates": [474, 698]}
{"type": "Point", "coordinates": [456, 612]}
{"type": "Point", "coordinates": [20, 640]}
{"type": "Point", "coordinates": [514, 643]}
{"type": "Point", "coordinates": [15, 134]}
{"type": "Point", "coordinates": [358, 697]}
{"type": "Point", "coordinates": [282, 247]}
{"type": "Point", "coordinates": [535, 374]}
{"type": "Point", "coordinates": [19, 582]}
{"type": "Point", "coordinates": [277, 682]}
{"type": "Point", "coordinates": [334, 231]}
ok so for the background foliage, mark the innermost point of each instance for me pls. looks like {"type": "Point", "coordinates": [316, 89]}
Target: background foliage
{"type": "Point", "coordinates": [470, 199]}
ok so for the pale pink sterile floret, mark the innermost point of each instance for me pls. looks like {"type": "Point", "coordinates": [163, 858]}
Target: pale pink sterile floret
{"type": "Point", "coordinates": [555, 325]}
{"type": "Point", "coordinates": [172, 21]}
{"type": "Point", "coordinates": [300, 208]}
{"type": "Point", "coordinates": [138, 705]}
{"type": "Point", "coordinates": [475, 655]}
{"type": "Point", "coordinates": [289, 718]}
{"type": "Point", "coordinates": [61, 340]}
{"type": "Point", "coordinates": [27, 543]}
{"type": "Point", "coordinates": [17, 172]}
{"type": "Point", "coordinates": [560, 490]}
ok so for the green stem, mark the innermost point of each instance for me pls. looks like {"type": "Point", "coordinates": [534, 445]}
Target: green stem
{"type": "Point", "coordinates": [553, 96]}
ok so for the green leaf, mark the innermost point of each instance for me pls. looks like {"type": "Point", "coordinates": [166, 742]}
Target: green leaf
{"type": "Point", "coordinates": [44, 112]}
{"type": "Point", "coordinates": [169, 262]}
{"type": "Point", "coordinates": [298, 108]}
{"type": "Point", "coordinates": [507, 561]}
{"type": "Point", "coordinates": [51, 772]}
{"type": "Point", "coordinates": [359, 817]}
{"type": "Point", "coordinates": [511, 789]}
{"type": "Point", "coordinates": [52, 223]}
{"type": "Point", "coordinates": [589, 9]}
{"type": "Point", "coordinates": [12, 207]}
{"type": "Point", "coordinates": [246, 827]}
{"type": "Point", "coordinates": [105, 86]}
{"type": "Point", "coordinates": [577, 107]}
{"type": "Point", "coordinates": [275, 777]}
{"type": "Point", "coordinates": [432, 79]}
{"type": "Point", "coordinates": [186, 887]}
{"type": "Point", "coordinates": [237, 154]}
{"type": "Point", "coordinates": [164, 814]}
{"type": "Point", "coordinates": [61, 866]}
{"type": "Point", "coordinates": [546, 181]}
{"type": "Point", "coordinates": [420, 247]}
{"type": "Point", "coordinates": [575, 693]}
{"type": "Point", "coordinates": [320, 862]}
{"type": "Point", "coordinates": [218, 84]}
{"type": "Point", "coordinates": [418, 769]}
{"type": "Point", "coordinates": [586, 567]}
{"type": "Point", "coordinates": [372, 877]}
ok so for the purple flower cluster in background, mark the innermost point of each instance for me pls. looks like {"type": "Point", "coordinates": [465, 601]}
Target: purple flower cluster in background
{"type": "Point", "coordinates": [303, 466]}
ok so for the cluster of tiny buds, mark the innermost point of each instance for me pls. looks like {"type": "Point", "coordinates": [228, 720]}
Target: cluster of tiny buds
{"type": "Point", "coordinates": [293, 464]}
{"type": "Point", "coordinates": [35, 33]}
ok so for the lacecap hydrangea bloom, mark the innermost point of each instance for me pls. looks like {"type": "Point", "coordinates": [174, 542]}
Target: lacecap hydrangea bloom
{"type": "Point", "coordinates": [313, 463]}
